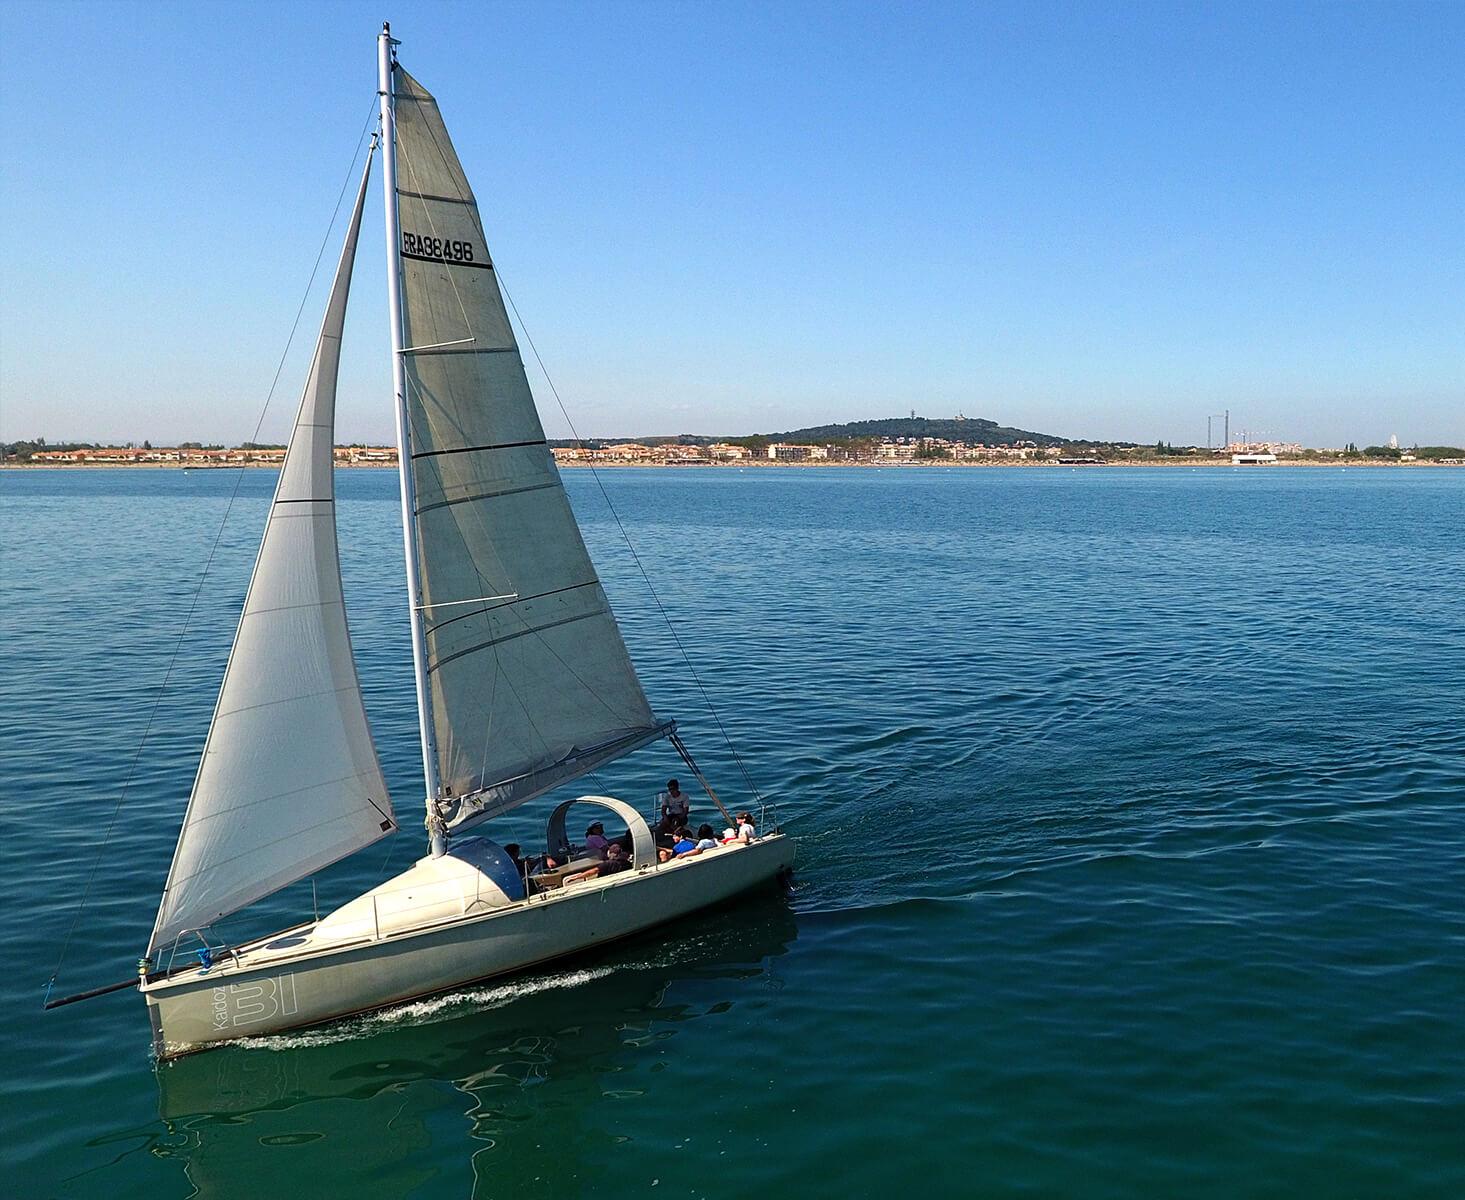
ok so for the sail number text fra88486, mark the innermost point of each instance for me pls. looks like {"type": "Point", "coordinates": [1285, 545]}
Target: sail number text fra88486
{"type": "Point", "coordinates": [435, 248]}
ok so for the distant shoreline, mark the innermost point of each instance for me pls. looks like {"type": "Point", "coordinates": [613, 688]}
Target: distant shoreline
{"type": "Point", "coordinates": [765, 464]}
{"type": "Point", "coordinates": [172, 466]}
{"type": "Point", "coordinates": [1015, 464]}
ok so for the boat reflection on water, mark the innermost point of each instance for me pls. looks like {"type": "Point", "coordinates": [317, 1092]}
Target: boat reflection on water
{"type": "Point", "coordinates": [413, 1097]}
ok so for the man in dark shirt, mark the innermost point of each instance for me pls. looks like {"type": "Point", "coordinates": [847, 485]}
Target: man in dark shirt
{"type": "Point", "coordinates": [615, 860]}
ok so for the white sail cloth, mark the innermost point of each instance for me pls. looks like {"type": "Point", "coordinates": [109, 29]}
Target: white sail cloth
{"type": "Point", "coordinates": [530, 681]}
{"type": "Point", "coordinates": [289, 780]}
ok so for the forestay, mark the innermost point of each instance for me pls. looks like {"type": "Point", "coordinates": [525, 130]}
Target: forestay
{"type": "Point", "coordinates": [530, 681]}
{"type": "Point", "coordinates": [289, 780]}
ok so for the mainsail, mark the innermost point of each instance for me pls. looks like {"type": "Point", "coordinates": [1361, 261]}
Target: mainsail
{"type": "Point", "coordinates": [289, 780]}
{"type": "Point", "coordinates": [530, 682]}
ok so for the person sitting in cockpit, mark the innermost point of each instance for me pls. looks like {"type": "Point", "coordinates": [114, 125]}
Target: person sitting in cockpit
{"type": "Point", "coordinates": [615, 860]}
{"type": "Point", "coordinates": [674, 803]}
{"type": "Point", "coordinates": [595, 840]}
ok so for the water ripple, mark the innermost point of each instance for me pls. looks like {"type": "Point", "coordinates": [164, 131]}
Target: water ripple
{"type": "Point", "coordinates": [1128, 816]}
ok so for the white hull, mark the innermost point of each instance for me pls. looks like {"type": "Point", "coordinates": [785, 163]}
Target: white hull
{"type": "Point", "coordinates": [275, 985]}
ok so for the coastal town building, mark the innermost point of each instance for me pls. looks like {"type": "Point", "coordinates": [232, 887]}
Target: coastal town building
{"type": "Point", "coordinates": [191, 456]}
{"type": "Point", "coordinates": [367, 456]}
{"type": "Point", "coordinates": [105, 455]}
{"type": "Point", "coordinates": [753, 451]}
{"type": "Point", "coordinates": [894, 450]}
{"type": "Point", "coordinates": [1280, 449]}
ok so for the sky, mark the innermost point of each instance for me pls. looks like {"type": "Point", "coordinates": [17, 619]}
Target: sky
{"type": "Point", "coordinates": [1092, 220]}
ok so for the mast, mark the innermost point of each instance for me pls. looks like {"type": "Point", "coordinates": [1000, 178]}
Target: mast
{"type": "Point", "coordinates": [384, 44]}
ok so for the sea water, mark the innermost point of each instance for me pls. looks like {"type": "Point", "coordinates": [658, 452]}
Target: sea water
{"type": "Point", "coordinates": [1130, 809]}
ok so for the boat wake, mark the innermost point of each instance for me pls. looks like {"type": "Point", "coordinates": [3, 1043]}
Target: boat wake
{"type": "Point", "coordinates": [427, 1011]}
{"type": "Point", "coordinates": [714, 946]}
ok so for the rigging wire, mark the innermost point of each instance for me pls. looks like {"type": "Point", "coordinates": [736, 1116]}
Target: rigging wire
{"type": "Point", "coordinates": [208, 561]}
{"type": "Point", "coordinates": [626, 537]}
{"type": "Point", "coordinates": [468, 328]}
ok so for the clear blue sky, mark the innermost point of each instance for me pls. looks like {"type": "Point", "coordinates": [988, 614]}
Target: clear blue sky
{"type": "Point", "coordinates": [1101, 220]}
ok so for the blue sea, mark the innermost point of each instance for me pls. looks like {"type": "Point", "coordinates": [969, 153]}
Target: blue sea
{"type": "Point", "coordinates": [1130, 808]}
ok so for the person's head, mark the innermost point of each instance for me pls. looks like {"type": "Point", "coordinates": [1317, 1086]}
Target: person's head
{"type": "Point", "coordinates": [683, 832]}
{"type": "Point", "coordinates": [663, 855]}
{"type": "Point", "coordinates": [614, 851]}
{"type": "Point", "coordinates": [745, 818]}
{"type": "Point", "coordinates": [594, 827]}
{"type": "Point", "coordinates": [704, 831]}
{"type": "Point", "coordinates": [673, 786]}
{"type": "Point", "coordinates": [512, 849]}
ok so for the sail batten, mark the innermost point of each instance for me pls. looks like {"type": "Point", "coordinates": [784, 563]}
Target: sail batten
{"type": "Point", "coordinates": [519, 683]}
{"type": "Point", "coordinates": [289, 780]}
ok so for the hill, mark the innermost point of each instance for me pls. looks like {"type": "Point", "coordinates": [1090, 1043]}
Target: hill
{"type": "Point", "coordinates": [953, 429]}
{"type": "Point", "coordinates": [974, 429]}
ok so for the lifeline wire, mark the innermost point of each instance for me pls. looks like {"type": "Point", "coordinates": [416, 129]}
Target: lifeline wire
{"type": "Point", "coordinates": [193, 604]}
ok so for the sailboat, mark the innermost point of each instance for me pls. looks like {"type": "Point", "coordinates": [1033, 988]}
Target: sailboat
{"type": "Point", "coordinates": [523, 681]}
